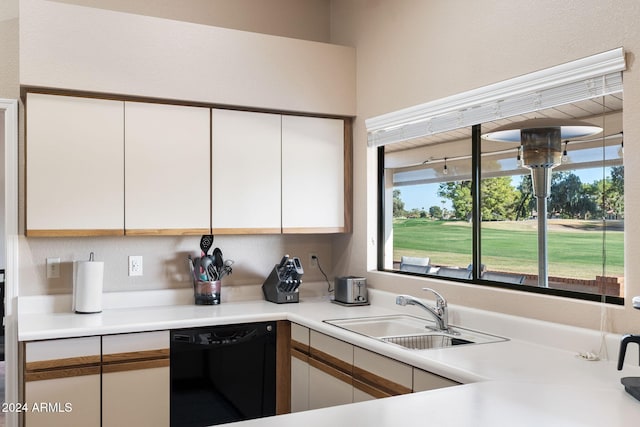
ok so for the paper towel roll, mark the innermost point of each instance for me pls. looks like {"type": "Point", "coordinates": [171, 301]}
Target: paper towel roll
{"type": "Point", "coordinates": [87, 286]}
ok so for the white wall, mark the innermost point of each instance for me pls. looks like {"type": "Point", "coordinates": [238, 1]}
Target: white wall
{"type": "Point", "coordinates": [414, 51]}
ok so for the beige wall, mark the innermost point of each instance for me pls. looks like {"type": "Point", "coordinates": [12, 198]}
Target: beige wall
{"type": "Point", "coordinates": [301, 19]}
{"type": "Point", "coordinates": [9, 80]}
{"type": "Point", "coordinates": [413, 51]}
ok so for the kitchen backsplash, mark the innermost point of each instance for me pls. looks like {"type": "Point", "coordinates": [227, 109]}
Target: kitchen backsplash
{"type": "Point", "coordinates": [164, 260]}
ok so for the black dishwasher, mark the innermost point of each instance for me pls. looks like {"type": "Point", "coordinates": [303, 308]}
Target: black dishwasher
{"type": "Point", "coordinates": [221, 374]}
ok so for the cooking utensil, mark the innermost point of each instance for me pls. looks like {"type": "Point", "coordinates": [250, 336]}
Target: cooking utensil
{"type": "Point", "coordinates": [191, 266]}
{"type": "Point", "coordinates": [196, 269]}
{"type": "Point", "coordinates": [206, 242]}
{"type": "Point", "coordinates": [218, 260]}
{"type": "Point", "coordinates": [206, 264]}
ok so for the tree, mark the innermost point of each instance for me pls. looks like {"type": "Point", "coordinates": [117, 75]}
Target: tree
{"type": "Point", "coordinates": [617, 184]}
{"type": "Point", "coordinates": [459, 192]}
{"type": "Point", "coordinates": [568, 196]}
{"type": "Point", "coordinates": [398, 205]}
{"type": "Point", "coordinates": [435, 212]}
{"type": "Point", "coordinates": [498, 198]}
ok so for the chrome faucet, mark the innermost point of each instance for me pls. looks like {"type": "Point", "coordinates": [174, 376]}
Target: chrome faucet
{"type": "Point", "coordinates": [440, 312]}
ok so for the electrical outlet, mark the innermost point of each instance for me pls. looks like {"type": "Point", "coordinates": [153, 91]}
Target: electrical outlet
{"type": "Point", "coordinates": [313, 260]}
{"type": "Point", "coordinates": [135, 265]}
{"type": "Point", "coordinates": [53, 268]}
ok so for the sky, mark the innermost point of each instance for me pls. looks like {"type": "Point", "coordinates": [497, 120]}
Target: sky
{"type": "Point", "coordinates": [425, 196]}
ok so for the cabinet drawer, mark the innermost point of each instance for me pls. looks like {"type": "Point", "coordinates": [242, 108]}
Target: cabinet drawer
{"type": "Point", "coordinates": [130, 352]}
{"type": "Point", "coordinates": [64, 354]}
{"type": "Point", "coordinates": [300, 335]}
{"type": "Point", "coordinates": [331, 350]}
{"type": "Point", "coordinates": [423, 381]}
{"type": "Point", "coordinates": [383, 373]}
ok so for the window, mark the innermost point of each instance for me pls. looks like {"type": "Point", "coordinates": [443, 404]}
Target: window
{"type": "Point", "coordinates": [457, 206]}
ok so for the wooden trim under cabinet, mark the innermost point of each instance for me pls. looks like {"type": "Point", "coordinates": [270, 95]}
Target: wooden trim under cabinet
{"type": "Point", "coordinates": [167, 232]}
{"type": "Point", "coordinates": [247, 230]}
{"type": "Point", "coordinates": [73, 233]}
{"type": "Point", "coordinates": [314, 230]}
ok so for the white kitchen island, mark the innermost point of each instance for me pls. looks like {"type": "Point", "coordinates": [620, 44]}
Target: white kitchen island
{"type": "Point", "coordinates": [534, 378]}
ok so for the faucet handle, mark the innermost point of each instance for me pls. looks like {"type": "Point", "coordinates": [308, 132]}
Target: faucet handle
{"type": "Point", "coordinates": [440, 301]}
{"type": "Point", "coordinates": [623, 347]}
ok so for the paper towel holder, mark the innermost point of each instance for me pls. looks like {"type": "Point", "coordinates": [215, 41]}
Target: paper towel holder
{"type": "Point", "coordinates": [87, 286]}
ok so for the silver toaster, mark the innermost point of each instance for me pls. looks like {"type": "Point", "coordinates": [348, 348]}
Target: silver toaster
{"type": "Point", "coordinates": [351, 290]}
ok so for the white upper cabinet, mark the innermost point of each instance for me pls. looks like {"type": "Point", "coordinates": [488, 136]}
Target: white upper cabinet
{"type": "Point", "coordinates": [106, 167]}
{"type": "Point", "coordinates": [75, 172]}
{"type": "Point", "coordinates": [167, 186]}
{"type": "Point", "coordinates": [313, 175]}
{"type": "Point", "coordinates": [245, 172]}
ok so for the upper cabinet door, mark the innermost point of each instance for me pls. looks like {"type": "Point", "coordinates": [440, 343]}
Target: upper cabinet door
{"type": "Point", "coordinates": [313, 175]}
{"type": "Point", "coordinates": [75, 176]}
{"type": "Point", "coordinates": [245, 172]}
{"type": "Point", "coordinates": [167, 151]}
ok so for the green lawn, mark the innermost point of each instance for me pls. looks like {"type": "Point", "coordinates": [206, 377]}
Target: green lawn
{"type": "Point", "coordinates": [575, 248]}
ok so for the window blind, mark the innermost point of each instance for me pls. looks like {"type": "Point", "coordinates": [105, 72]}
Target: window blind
{"type": "Point", "coordinates": [579, 80]}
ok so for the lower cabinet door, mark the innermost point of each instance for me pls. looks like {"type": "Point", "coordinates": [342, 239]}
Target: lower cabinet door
{"type": "Point", "coordinates": [299, 381]}
{"type": "Point", "coordinates": [62, 382]}
{"type": "Point", "coordinates": [63, 402]}
{"type": "Point", "coordinates": [137, 397]}
{"type": "Point", "coordinates": [135, 379]}
{"type": "Point", "coordinates": [328, 386]}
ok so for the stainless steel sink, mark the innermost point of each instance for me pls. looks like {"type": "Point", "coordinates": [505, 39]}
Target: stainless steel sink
{"type": "Point", "coordinates": [427, 341]}
{"type": "Point", "coordinates": [412, 332]}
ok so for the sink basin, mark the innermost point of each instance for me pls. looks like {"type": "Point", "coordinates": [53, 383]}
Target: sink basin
{"type": "Point", "coordinates": [384, 326]}
{"type": "Point", "coordinates": [412, 332]}
{"type": "Point", "coordinates": [426, 341]}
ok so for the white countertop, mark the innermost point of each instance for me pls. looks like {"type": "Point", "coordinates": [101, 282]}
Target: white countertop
{"type": "Point", "coordinates": [493, 403]}
{"type": "Point", "coordinates": [516, 382]}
